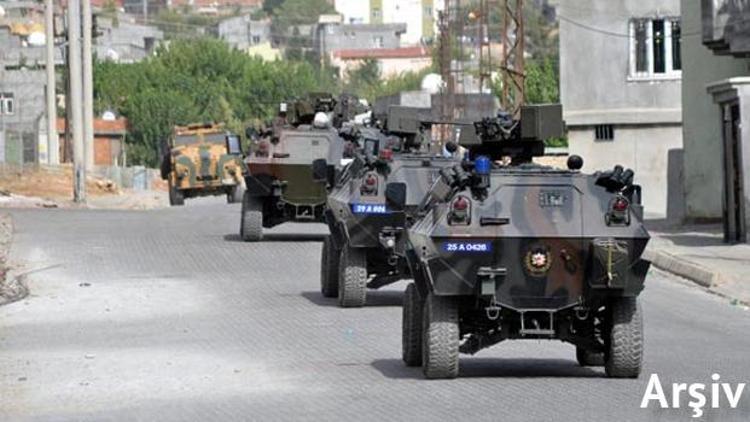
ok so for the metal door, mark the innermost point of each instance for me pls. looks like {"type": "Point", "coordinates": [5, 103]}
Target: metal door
{"type": "Point", "coordinates": [735, 230]}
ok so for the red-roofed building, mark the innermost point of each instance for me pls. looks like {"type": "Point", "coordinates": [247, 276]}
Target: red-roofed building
{"type": "Point", "coordinates": [109, 140]}
{"type": "Point", "coordinates": [391, 61]}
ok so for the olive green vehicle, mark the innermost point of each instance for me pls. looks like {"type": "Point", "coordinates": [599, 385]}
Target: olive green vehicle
{"type": "Point", "coordinates": [203, 160]}
{"type": "Point", "coordinates": [279, 171]}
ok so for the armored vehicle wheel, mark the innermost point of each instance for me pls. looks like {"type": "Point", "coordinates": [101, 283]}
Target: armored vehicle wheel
{"type": "Point", "coordinates": [251, 223]}
{"type": "Point", "coordinates": [625, 352]}
{"type": "Point", "coordinates": [352, 278]}
{"type": "Point", "coordinates": [589, 358]}
{"type": "Point", "coordinates": [329, 269]}
{"type": "Point", "coordinates": [440, 337]}
{"type": "Point", "coordinates": [236, 195]}
{"type": "Point", "coordinates": [411, 327]}
{"type": "Point", "coordinates": [176, 197]}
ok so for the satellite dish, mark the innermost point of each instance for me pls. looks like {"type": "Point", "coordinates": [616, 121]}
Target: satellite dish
{"type": "Point", "coordinates": [109, 116]}
{"type": "Point", "coordinates": [37, 39]}
{"type": "Point", "coordinates": [432, 83]}
{"type": "Point", "coordinates": [113, 55]}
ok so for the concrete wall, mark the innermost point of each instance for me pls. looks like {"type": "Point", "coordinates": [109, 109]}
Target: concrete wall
{"type": "Point", "coordinates": [702, 133]}
{"type": "Point", "coordinates": [332, 37]}
{"type": "Point", "coordinates": [643, 149]}
{"type": "Point", "coordinates": [594, 65]}
{"type": "Point", "coordinates": [126, 42]}
{"type": "Point", "coordinates": [597, 87]}
{"type": "Point", "coordinates": [241, 32]}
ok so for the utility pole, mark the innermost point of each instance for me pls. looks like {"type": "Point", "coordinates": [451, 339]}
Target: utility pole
{"type": "Point", "coordinates": [75, 112]}
{"type": "Point", "coordinates": [88, 87]}
{"type": "Point", "coordinates": [53, 146]}
{"type": "Point", "coordinates": [513, 66]}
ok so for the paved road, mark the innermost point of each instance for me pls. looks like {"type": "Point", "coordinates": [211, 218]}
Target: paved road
{"type": "Point", "coordinates": [165, 315]}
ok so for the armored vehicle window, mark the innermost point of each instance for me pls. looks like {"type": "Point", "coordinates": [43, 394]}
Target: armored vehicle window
{"type": "Point", "coordinates": [302, 147]}
{"type": "Point", "coordinates": [213, 138]}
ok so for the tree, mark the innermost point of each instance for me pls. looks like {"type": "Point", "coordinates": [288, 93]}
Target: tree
{"type": "Point", "coordinates": [270, 5]}
{"type": "Point", "coordinates": [194, 81]}
{"type": "Point", "coordinates": [298, 12]}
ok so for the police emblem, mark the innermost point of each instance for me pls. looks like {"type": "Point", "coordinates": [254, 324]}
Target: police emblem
{"type": "Point", "coordinates": [538, 261]}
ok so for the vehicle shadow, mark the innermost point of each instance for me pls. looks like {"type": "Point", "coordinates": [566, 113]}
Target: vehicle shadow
{"type": "Point", "coordinates": [496, 368]}
{"type": "Point", "coordinates": [279, 237]}
{"type": "Point", "coordinates": [375, 298]}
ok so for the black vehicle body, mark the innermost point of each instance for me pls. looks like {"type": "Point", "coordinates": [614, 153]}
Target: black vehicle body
{"type": "Point", "coordinates": [523, 251]}
{"type": "Point", "coordinates": [363, 223]}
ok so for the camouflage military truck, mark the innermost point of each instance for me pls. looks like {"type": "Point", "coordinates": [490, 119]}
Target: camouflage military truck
{"type": "Point", "coordinates": [522, 251]}
{"type": "Point", "coordinates": [366, 245]}
{"type": "Point", "coordinates": [203, 160]}
{"type": "Point", "coordinates": [279, 171]}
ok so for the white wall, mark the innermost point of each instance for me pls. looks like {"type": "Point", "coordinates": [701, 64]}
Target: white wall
{"type": "Point", "coordinates": [408, 12]}
{"type": "Point", "coordinates": [642, 149]}
{"type": "Point", "coordinates": [354, 11]}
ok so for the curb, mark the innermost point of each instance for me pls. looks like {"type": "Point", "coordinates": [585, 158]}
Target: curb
{"type": "Point", "coordinates": [680, 267]}
{"type": "Point", "coordinates": [710, 280]}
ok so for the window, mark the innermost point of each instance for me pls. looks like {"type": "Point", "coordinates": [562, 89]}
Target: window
{"type": "Point", "coordinates": [7, 105]}
{"type": "Point", "coordinates": [655, 49]}
{"type": "Point", "coordinates": [256, 39]}
{"type": "Point", "coordinates": [604, 133]}
{"type": "Point", "coordinates": [377, 42]}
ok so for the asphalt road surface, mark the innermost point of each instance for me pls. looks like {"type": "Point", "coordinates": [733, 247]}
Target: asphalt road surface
{"type": "Point", "coordinates": [165, 315]}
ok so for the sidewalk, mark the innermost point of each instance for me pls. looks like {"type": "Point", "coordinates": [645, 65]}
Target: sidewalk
{"type": "Point", "coordinates": [699, 254]}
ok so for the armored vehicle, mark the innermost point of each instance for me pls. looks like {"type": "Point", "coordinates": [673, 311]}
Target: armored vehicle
{"type": "Point", "coordinates": [203, 160]}
{"type": "Point", "coordinates": [279, 177]}
{"type": "Point", "coordinates": [366, 245]}
{"type": "Point", "coordinates": [520, 251]}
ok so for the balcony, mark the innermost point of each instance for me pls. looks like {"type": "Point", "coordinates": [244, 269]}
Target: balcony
{"type": "Point", "coordinates": [726, 26]}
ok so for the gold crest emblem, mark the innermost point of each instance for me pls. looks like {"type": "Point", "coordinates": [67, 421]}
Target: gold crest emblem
{"type": "Point", "coordinates": [538, 261]}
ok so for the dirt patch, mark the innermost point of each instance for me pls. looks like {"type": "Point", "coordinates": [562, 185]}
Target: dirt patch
{"type": "Point", "coordinates": [11, 288]}
{"type": "Point", "coordinates": [52, 187]}
{"type": "Point", "coordinates": [55, 184]}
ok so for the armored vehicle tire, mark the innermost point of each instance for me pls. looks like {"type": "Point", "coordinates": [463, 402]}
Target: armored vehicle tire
{"type": "Point", "coordinates": [352, 278]}
{"type": "Point", "coordinates": [251, 223]}
{"type": "Point", "coordinates": [589, 358]}
{"type": "Point", "coordinates": [176, 197]}
{"type": "Point", "coordinates": [236, 195]}
{"type": "Point", "coordinates": [625, 351]}
{"type": "Point", "coordinates": [440, 337]}
{"type": "Point", "coordinates": [329, 269]}
{"type": "Point", "coordinates": [411, 327]}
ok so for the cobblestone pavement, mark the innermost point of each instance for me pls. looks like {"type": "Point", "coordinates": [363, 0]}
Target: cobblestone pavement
{"type": "Point", "coordinates": [165, 315]}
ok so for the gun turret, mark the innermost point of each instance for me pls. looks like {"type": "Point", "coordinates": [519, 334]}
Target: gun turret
{"type": "Point", "coordinates": [521, 139]}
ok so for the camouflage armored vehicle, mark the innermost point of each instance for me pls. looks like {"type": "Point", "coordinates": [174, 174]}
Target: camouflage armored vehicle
{"type": "Point", "coordinates": [279, 174]}
{"type": "Point", "coordinates": [521, 251]}
{"type": "Point", "coordinates": [366, 245]}
{"type": "Point", "coordinates": [203, 160]}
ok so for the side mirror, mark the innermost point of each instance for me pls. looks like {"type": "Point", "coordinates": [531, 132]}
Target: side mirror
{"type": "Point", "coordinates": [395, 196]}
{"type": "Point", "coordinates": [320, 170]}
{"type": "Point", "coordinates": [234, 146]}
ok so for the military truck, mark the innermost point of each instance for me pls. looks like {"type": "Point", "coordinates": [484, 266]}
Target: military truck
{"type": "Point", "coordinates": [203, 160]}
{"type": "Point", "coordinates": [366, 246]}
{"type": "Point", "coordinates": [279, 176]}
{"type": "Point", "coordinates": [521, 251]}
